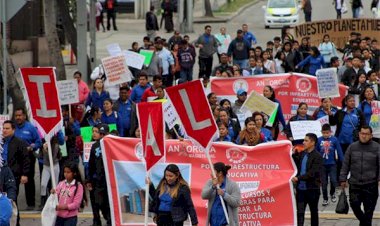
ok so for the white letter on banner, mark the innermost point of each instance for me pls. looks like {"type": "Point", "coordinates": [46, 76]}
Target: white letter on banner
{"type": "Point", "coordinates": [151, 139]}
{"type": "Point", "coordinates": [189, 110]}
{"type": "Point", "coordinates": [43, 112]}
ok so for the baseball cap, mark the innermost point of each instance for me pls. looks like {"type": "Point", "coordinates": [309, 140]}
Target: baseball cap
{"type": "Point", "coordinates": [103, 128]}
{"type": "Point", "coordinates": [241, 92]}
{"type": "Point", "coordinates": [239, 31]}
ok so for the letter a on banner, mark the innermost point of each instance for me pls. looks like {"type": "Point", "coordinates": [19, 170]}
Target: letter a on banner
{"type": "Point", "coordinates": [152, 127]}
{"type": "Point", "coordinates": [193, 109]}
{"type": "Point", "coordinates": [42, 99]}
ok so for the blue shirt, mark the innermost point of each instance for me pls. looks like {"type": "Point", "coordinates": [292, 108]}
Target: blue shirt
{"type": "Point", "coordinates": [137, 93]}
{"type": "Point", "coordinates": [29, 134]}
{"type": "Point", "coordinates": [302, 184]}
{"type": "Point", "coordinates": [96, 99]}
{"type": "Point", "coordinates": [124, 112]}
{"type": "Point", "coordinates": [349, 124]}
{"type": "Point", "coordinates": [267, 134]}
{"type": "Point", "coordinates": [315, 63]}
{"type": "Point", "coordinates": [249, 37]}
{"type": "Point", "coordinates": [217, 217]}
{"type": "Point", "coordinates": [321, 113]}
{"type": "Point", "coordinates": [366, 108]}
{"type": "Point", "coordinates": [327, 147]}
{"type": "Point", "coordinates": [226, 138]}
{"type": "Point", "coordinates": [5, 148]}
{"type": "Point", "coordinates": [165, 202]}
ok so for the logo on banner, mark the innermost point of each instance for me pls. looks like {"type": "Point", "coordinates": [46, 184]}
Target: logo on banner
{"type": "Point", "coordinates": [303, 85]}
{"type": "Point", "coordinates": [235, 155]}
{"type": "Point", "coordinates": [240, 84]}
{"type": "Point", "coordinates": [139, 152]}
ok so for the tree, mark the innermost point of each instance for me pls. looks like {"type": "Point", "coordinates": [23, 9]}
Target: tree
{"type": "Point", "coordinates": [208, 9]}
{"type": "Point", "coordinates": [50, 18]}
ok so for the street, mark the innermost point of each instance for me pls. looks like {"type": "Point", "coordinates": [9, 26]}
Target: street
{"type": "Point", "coordinates": [131, 30]}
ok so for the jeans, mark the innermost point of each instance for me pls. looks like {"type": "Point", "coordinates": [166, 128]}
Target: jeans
{"type": "Point", "coordinates": [70, 221]}
{"type": "Point", "coordinates": [328, 171]}
{"type": "Point", "coordinates": [307, 197]}
{"type": "Point", "coordinates": [242, 63]}
{"type": "Point", "coordinates": [186, 74]}
{"type": "Point", "coordinates": [366, 195]}
{"type": "Point", "coordinates": [355, 12]}
{"type": "Point", "coordinates": [338, 13]}
{"type": "Point", "coordinates": [111, 15]}
{"type": "Point", "coordinates": [205, 66]}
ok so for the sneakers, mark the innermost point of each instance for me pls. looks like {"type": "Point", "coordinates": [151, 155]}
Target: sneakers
{"type": "Point", "coordinates": [333, 198]}
{"type": "Point", "coordinates": [325, 202]}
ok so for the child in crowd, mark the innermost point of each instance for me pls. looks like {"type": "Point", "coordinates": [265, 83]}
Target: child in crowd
{"type": "Point", "coordinates": [223, 132]}
{"type": "Point", "coordinates": [327, 146]}
{"type": "Point", "coordinates": [70, 196]}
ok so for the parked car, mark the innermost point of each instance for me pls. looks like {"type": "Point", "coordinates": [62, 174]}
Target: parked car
{"type": "Point", "coordinates": [279, 13]}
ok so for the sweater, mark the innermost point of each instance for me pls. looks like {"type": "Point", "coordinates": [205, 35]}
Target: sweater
{"type": "Point", "coordinates": [314, 63]}
{"type": "Point", "coordinates": [210, 45]}
{"type": "Point", "coordinates": [65, 192]}
{"type": "Point", "coordinates": [327, 148]}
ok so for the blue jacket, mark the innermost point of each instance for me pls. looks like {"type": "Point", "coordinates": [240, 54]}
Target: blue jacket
{"type": "Point", "coordinates": [94, 99]}
{"type": "Point", "coordinates": [250, 38]}
{"type": "Point", "coordinates": [315, 63]}
{"type": "Point", "coordinates": [137, 93]}
{"type": "Point", "coordinates": [124, 110]}
{"type": "Point", "coordinates": [319, 112]}
{"type": "Point", "coordinates": [113, 118]}
{"type": "Point", "coordinates": [267, 134]}
{"type": "Point", "coordinates": [226, 139]}
{"type": "Point", "coordinates": [327, 148]}
{"type": "Point", "coordinates": [280, 115]}
{"type": "Point", "coordinates": [366, 108]}
{"type": "Point", "coordinates": [29, 134]}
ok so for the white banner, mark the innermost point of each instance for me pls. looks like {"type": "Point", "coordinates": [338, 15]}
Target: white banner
{"type": "Point", "coordinates": [133, 59]}
{"type": "Point", "coordinates": [301, 128]}
{"type": "Point", "coordinates": [68, 91]}
{"type": "Point", "coordinates": [116, 69]}
{"type": "Point", "coordinates": [328, 84]}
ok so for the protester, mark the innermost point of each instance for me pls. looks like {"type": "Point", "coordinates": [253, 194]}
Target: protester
{"type": "Point", "coordinates": [314, 60]}
{"type": "Point", "coordinates": [221, 186]}
{"type": "Point", "coordinates": [248, 36]}
{"type": "Point", "coordinates": [224, 40]}
{"type": "Point", "coordinates": [8, 193]}
{"type": "Point", "coordinates": [269, 93]}
{"type": "Point", "coordinates": [260, 123]}
{"type": "Point", "coordinates": [186, 57]}
{"type": "Point", "coordinates": [307, 9]}
{"type": "Point", "coordinates": [356, 6]}
{"type": "Point", "coordinates": [123, 107]}
{"type": "Point", "coordinates": [151, 24]}
{"type": "Point", "coordinates": [328, 146]}
{"type": "Point", "coordinates": [111, 6]}
{"type": "Point", "coordinates": [138, 91]}
{"type": "Point", "coordinates": [99, 15]}
{"type": "Point", "coordinates": [366, 98]}
{"type": "Point", "coordinates": [212, 99]}
{"type": "Point", "coordinates": [361, 161]}
{"type": "Point", "coordinates": [309, 165]}
{"type": "Point", "coordinates": [172, 202]}
{"type": "Point", "coordinates": [223, 132]}
{"type": "Point", "coordinates": [226, 104]}
{"type": "Point", "coordinates": [168, 9]}
{"type": "Point", "coordinates": [241, 97]}
{"type": "Point", "coordinates": [250, 135]}
{"type": "Point", "coordinates": [167, 59]}
{"type": "Point", "coordinates": [328, 50]}
{"type": "Point", "coordinates": [268, 64]}
{"type": "Point", "coordinates": [150, 93]}
{"type": "Point", "coordinates": [70, 195]}
{"type": "Point", "coordinates": [325, 109]}
{"type": "Point", "coordinates": [238, 50]}
{"type": "Point", "coordinates": [300, 116]}
{"type": "Point", "coordinates": [93, 117]}
{"type": "Point", "coordinates": [280, 63]}
{"type": "Point", "coordinates": [97, 95]}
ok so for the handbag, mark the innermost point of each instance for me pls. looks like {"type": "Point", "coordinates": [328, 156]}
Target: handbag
{"type": "Point", "coordinates": [342, 206]}
{"type": "Point", "coordinates": [49, 214]}
{"type": "Point", "coordinates": [344, 8]}
{"type": "Point", "coordinates": [355, 135]}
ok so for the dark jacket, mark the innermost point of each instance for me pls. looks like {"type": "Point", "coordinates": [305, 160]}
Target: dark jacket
{"type": "Point", "coordinates": [8, 183]}
{"type": "Point", "coordinates": [313, 168]}
{"type": "Point", "coordinates": [239, 49]}
{"type": "Point", "coordinates": [182, 206]}
{"type": "Point", "coordinates": [363, 162]}
{"type": "Point", "coordinates": [338, 118]}
{"type": "Point", "coordinates": [151, 22]}
{"type": "Point", "coordinates": [18, 160]}
{"type": "Point", "coordinates": [350, 75]}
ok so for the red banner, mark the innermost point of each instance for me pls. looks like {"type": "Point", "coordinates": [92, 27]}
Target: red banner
{"type": "Point", "coordinates": [42, 98]}
{"type": "Point", "coordinates": [290, 90]}
{"type": "Point", "coordinates": [152, 127]}
{"type": "Point", "coordinates": [192, 107]}
{"type": "Point", "coordinates": [262, 172]}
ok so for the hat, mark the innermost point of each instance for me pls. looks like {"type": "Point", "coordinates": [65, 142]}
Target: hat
{"type": "Point", "coordinates": [239, 31]}
{"type": "Point", "coordinates": [172, 168]}
{"type": "Point", "coordinates": [103, 128]}
{"type": "Point", "coordinates": [241, 92]}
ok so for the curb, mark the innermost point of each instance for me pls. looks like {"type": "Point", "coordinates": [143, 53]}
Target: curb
{"type": "Point", "coordinates": [224, 19]}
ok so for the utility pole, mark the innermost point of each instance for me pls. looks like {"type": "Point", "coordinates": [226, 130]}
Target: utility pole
{"type": "Point", "coordinates": [82, 38]}
{"type": "Point", "coordinates": [5, 54]}
{"type": "Point", "coordinates": [92, 34]}
{"type": "Point", "coordinates": [189, 16]}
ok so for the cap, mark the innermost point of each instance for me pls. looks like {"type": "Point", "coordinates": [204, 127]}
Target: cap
{"type": "Point", "coordinates": [103, 128]}
{"type": "Point", "coordinates": [241, 92]}
{"type": "Point", "coordinates": [239, 31]}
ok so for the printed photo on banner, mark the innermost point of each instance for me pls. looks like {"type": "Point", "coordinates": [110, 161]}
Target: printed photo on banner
{"type": "Point", "coordinates": [116, 70]}
{"type": "Point", "coordinates": [68, 91]}
{"type": "Point", "coordinates": [301, 128]}
{"type": "Point", "coordinates": [253, 168]}
{"type": "Point", "coordinates": [327, 80]}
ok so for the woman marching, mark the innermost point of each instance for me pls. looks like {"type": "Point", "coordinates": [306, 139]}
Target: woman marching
{"type": "Point", "coordinates": [172, 201]}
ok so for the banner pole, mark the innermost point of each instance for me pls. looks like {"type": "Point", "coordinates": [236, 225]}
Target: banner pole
{"type": "Point", "coordinates": [146, 201]}
{"type": "Point", "coordinates": [53, 182]}
{"type": "Point", "coordinates": [70, 111]}
{"type": "Point", "coordinates": [217, 186]}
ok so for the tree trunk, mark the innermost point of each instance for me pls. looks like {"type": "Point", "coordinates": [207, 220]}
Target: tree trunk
{"type": "Point", "coordinates": [70, 30]}
{"type": "Point", "coordinates": [51, 34]}
{"type": "Point", "coordinates": [208, 9]}
{"type": "Point", "coordinates": [13, 87]}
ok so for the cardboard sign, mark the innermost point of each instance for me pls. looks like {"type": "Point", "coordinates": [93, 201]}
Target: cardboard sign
{"type": "Point", "coordinates": [116, 70]}
{"type": "Point", "coordinates": [301, 128]}
{"type": "Point", "coordinates": [68, 91]}
{"type": "Point", "coordinates": [133, 59]}
{"type": "Point", "coordinates": [170, 115]}
{"type": "Point", "coordinates": [262, 172]}
{"type": "Point", "coordinates": [87, 151]}
{"type": "Point", "coordinates": [148, 56]}
{"type": "Point", "coordinates": [339, 30]}
{"type": "Point", "coordinates": [114, 49]}
{"type": "Point", "coordinates": [327, 80]}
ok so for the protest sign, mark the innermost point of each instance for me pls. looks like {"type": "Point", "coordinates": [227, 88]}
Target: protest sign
{"type": "Point", "coordinates": [170, 115]}
{"type": "Point", "coordinates": [327, 80]}
{"type": "Point", "coordinates": [134, 59]}
{"type": "Point", "coordinates": [374, 122]}
{"type": "Point", "coordinates": [148, 56]}
{"type": "Point", "coordinates": [262, 172]}
{"type": "Point", "coordinates": [301, 128]}
{"type": "Point", "coordinates": [68, 91]}
{"type": "Point", "coordinates": [325, 120]}
{"type": "Point", "coordinates": [87, 151]}
{"type": "Point", "coordinates": [116, 70]}
{"type": "Point", "coordinates": [338, 30]}
{"type": "Point", "coordinates": [86, 132]}
{"type": "Point", "coordinates": [257, 102]}
{"type": "Point", "coordinates": [290, 90]}
{"type": "Point", "coordinates": [114, 49]}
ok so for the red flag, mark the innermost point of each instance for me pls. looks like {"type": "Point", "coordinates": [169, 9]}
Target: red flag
{"type": "Point", "coordinates": [42, 99]}
{"type": "Point", "coordinates": [194, 111]}
{"type": "Point", "coordinates": [152, 128]}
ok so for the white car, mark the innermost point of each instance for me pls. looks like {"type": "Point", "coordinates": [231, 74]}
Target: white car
{"type": "Point", "coordinates": [279, 13]}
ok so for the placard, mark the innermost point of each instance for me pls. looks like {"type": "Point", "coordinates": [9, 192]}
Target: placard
{"type": "Point", "coordinates": [301, 128]}
{"type": "Point", "coordinates": [327, 80]}
{"type": "Point", "coordinates": [68, 91]}
{"type": "Point", "coordinates": [116, 70]}
{"type": "Point", "coordinates": [133, 59]}
{"type": "Point", "coordinates": [148, 56]}
{"type": "Point", "coordinates": [87, 151]}
{"type": "Point", "coordinates": [374, 122]}
{"type": "Point", "coordinates": [170, 115]}
{"type": "Point", "coordinates": [114, 49]}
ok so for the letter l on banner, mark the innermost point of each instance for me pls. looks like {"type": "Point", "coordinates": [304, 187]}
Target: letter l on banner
{"type": "Point", "coordinates": [194, 111]}
{"type": "Point", "coordinates": [152, 128]}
